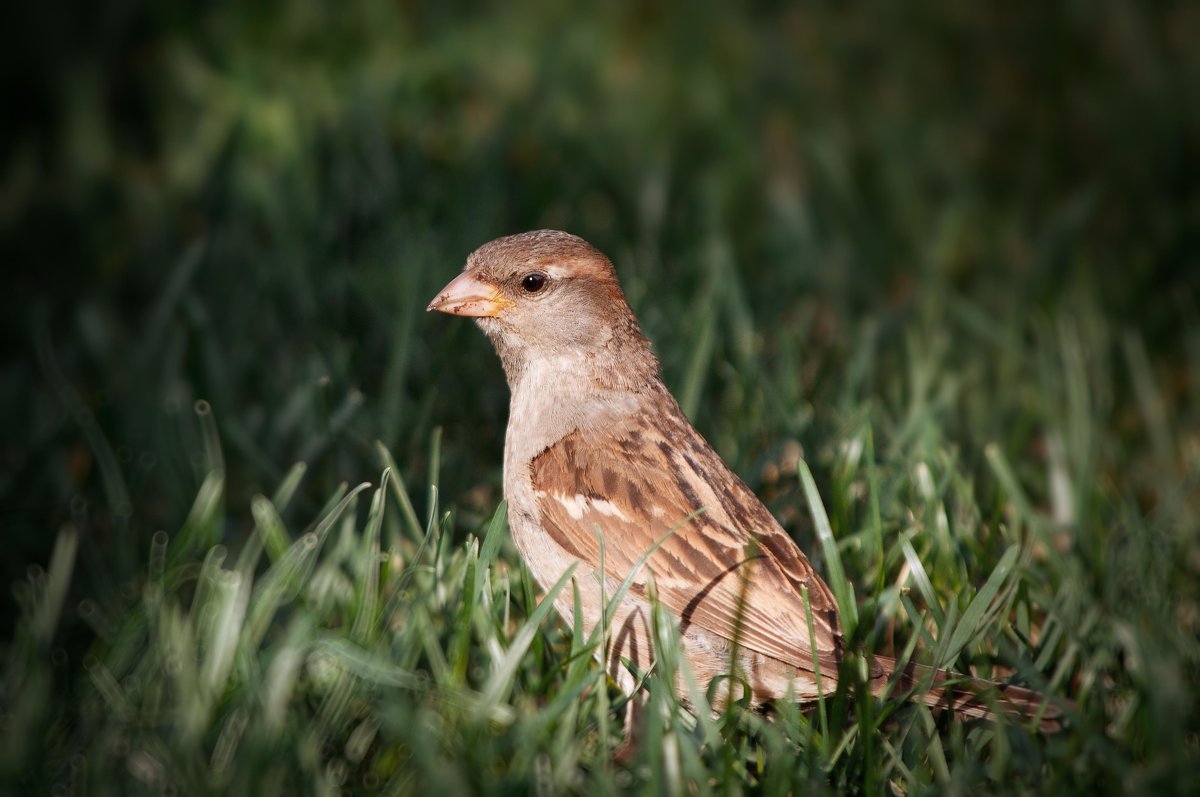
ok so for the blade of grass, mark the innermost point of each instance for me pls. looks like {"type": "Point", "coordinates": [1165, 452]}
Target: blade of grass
{"type": "Point", "coordinates": [287, 487]}
{"type": "Point", "coordinates": [400, 491]}
{"type": "Point", "coordinates": [843, 590]}
{"type": "Point", "coordinates": [365, 619]}
{"type": "Point", "coordinates": [969, 625]}
{"type": "Point", "coordinates": [916, 571]}
{"type": "Point", "coordinates": [501, 678]}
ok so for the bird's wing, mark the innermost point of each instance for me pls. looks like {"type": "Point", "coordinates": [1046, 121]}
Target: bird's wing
{"type": "Point", "coordinates": [728, 566]}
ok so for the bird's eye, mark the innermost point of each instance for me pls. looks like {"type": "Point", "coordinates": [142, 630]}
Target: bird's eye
{"type": "Point", "coordinates": [533, 282]}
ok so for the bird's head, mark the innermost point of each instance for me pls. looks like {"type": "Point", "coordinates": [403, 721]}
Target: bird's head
{"type": "Point", "coordinates": [547, 296]}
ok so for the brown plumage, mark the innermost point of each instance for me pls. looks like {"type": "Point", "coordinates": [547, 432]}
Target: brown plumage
{"type": "Point", "coordinates": [596, 445]}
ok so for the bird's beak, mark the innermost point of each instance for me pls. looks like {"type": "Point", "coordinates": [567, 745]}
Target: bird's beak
{"type": "Point", "coordinates": [469, 296]}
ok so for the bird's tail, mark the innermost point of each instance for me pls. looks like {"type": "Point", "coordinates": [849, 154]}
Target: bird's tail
{"type": "Point", "coordinates": [974, 697]}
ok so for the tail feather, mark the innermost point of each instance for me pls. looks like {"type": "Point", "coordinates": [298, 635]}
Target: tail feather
{"type": "Point", "coordinates": [974, 697]}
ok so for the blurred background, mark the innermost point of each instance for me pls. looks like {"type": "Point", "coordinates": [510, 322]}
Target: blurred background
{"type": "Point", "coordinates": [236, 213]}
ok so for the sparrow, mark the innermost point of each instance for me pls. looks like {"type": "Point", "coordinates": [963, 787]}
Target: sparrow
{"type": "Point", "coordinates": [601, 466]}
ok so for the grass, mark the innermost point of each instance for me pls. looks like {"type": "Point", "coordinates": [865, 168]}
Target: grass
{"type": "Point", "coordinates": [367, 650]}
{"type": "Point", "coordinates": [925, 279]}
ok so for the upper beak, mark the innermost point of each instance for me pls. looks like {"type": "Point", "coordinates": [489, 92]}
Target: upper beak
{"type": "Point", "coordinates": [468, 296]}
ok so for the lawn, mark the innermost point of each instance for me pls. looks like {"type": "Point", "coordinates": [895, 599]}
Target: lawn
{"type": "Point", "coordinates": [927, 277]}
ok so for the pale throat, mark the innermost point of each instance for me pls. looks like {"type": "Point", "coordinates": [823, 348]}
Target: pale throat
{"type": "Point", "coordinates": [555, 396]}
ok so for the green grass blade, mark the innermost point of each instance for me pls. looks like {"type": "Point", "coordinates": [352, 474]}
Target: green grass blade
{"type": "Point", "coordinates": [843, 590]}
{"type": "Point", "coordinates": [501, 678]}
{"type": "Point", "coordinates": [969, 625]}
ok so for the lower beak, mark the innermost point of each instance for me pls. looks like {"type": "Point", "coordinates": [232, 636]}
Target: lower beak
{"type": "Point", "coordinates": [468, 296]}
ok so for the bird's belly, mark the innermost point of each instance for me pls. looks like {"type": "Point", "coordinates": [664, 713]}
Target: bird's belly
{"type": "Point", "coordinates": [628, 647]}
{"type": "Point", "coordinates": [628, 634]}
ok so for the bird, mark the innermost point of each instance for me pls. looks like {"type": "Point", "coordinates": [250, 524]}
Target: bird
{"type": "Point", "coordinates": [603, 472]}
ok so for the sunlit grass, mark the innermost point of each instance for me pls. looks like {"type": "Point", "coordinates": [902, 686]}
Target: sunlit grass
{"type": "Point", "coordinates": [371, 651]}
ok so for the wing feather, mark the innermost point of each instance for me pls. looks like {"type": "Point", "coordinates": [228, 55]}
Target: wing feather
{"type": "Point", "coordinates": [728, 567]}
